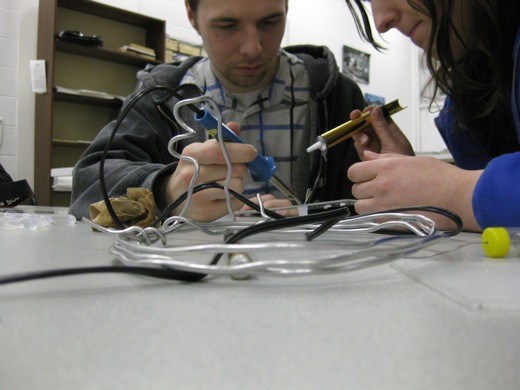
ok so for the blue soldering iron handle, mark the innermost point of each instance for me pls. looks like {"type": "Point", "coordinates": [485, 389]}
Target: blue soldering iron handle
{"type": "Point", "coordinates": [262, 168]}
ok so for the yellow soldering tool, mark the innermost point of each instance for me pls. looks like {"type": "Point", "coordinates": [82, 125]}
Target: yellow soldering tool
{"type": "Point", "coordinates": [348, 129]}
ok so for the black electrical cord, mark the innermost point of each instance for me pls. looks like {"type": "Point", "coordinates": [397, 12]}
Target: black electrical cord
{"type": "Point", "coordinates": [200, 187]}
{"type": "Point", "coordinates": [162, 273]}
{"type": "Point", "coordinates": [132, 102]}
{"type": "Point", "coordinates": [328, 219]}
{"type": "Point", "coordinates": [166, 212]}
{"type": "Point", "coordinates": [325, 216]}
{"type": "Point", "coordinates": [169, 273]}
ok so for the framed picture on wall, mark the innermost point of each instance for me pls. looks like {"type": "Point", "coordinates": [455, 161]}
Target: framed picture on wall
{"type": "Point", "coordinates": [374, 100]}
{"type": "Point", "coordinates": [356, 64]}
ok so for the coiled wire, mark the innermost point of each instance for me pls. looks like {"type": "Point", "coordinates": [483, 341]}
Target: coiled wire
{"type": "Point", "coordinates": [284, 247]}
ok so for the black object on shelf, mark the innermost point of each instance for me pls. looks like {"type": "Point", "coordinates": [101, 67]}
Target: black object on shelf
{"type": "Point", "coordinates": [79, 38]}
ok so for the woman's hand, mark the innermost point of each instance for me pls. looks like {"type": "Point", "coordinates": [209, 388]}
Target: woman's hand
{"type": "Point", "coordinates": [383, 136]}
{"type": "Point", "coordinates": [387, 181]}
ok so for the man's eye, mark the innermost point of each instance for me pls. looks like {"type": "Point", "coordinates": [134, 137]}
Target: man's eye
{"type": "Point", "coordinates": [226, 26]}
{"type": "Point", "coordinates": [270, 22]}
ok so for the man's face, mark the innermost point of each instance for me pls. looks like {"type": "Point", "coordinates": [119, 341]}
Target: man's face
{"type": "Point", "coordinates": [242, 39]}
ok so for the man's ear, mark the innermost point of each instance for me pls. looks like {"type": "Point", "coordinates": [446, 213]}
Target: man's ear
{"type": "Point", "coordinates": [191, 15]}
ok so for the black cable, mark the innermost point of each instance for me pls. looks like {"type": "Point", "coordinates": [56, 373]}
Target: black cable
{"type": "Point", "coordinates": [329, 218]}
{"type": "Point", "coordinates": [162, 273]}
{"type": "Point", "coordinates": [165, 213]}
{"type": "Point", "coordinates": [200, 187]}
{"type": "Point", "coordinates": [322, 228]}
{"type": "Point", "coordinates": [133, 101]}
{"type": "Point", "coordinates": [169, 273]}
{"type": "Point", "coordinates": [119, 120]}
{"type": "Point", "coordinates": [325, 216]}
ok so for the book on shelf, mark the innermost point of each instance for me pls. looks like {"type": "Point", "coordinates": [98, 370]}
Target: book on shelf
{"type": "Point", "coordinates": [61, 179]}
{"type": "Point", "coordinates": [87, 92]}
{"type": "Point", "coordinates": [63, 171]}
{"type": "Point", "coordinates": [71, 142]}
{"type": "Point", "coordinates": [185, 48]}
{"type": "Point", "coordinates": [139, 50]}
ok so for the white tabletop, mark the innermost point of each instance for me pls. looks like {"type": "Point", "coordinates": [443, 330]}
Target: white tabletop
{"type": "Point", "coordinates": [379, 328]}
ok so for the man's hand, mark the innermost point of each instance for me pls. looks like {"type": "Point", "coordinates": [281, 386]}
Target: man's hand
{"type": "Point", "coordinates": [210, 204]}
{"type": "Point", "coordinates": [270, 202]}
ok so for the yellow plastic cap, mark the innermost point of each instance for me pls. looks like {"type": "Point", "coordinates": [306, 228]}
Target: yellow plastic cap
{"type": "Point", "coordinates": [495, 242]}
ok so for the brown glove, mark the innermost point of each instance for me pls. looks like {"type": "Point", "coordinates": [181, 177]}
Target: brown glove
{"type": "Point", "coordinates": [136, 209]}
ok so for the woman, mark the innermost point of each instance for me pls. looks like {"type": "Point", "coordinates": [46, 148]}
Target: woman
{"type": "Point", "coordinates": [472, 48]}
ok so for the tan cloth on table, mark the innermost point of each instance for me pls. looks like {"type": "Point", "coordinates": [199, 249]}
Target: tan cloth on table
{"type": "Point", "coordinates": [136, 209]}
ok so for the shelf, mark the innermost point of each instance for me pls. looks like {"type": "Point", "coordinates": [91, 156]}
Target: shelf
{"type": "Point", "coordinates": [66, 121]}
{"type": "Point", "coordinates": [66, 97]}
{"type": "Point", "coordinates": [155, 28]}
{"type": "Point", "coordinates": [104, 54]}
{"type": "Point", "coordinates": [73, 143]}
{"type": "Point", "coordinates": [117, 14]}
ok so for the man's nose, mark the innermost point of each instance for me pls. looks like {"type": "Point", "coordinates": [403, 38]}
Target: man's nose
{"type": "Point", "coordinates": [251, 44]}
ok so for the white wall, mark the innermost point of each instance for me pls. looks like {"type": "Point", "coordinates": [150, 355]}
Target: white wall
{"type": "Point", "coordinates": [393, 73]}
{"type": "Point", "coordinates": [18, 32]}
{"type": "Point", "coordinates": [9, 37]}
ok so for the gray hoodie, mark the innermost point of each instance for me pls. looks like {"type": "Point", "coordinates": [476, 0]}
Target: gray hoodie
{"type": "Point", "coordinates": [138, 155]}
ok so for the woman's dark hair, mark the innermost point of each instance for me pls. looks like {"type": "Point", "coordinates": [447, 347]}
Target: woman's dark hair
{"type": "Point", "coordinates": [479, 83]}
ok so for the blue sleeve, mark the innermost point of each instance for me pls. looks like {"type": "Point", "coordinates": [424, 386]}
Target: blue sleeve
{"type": "Point", "coordinates": [466, 153]}
{"type": "Point", "coordinates": [496, 199]}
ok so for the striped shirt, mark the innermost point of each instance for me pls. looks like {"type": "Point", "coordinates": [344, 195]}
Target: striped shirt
{"type": "Point", "coordinates": [264, 116]}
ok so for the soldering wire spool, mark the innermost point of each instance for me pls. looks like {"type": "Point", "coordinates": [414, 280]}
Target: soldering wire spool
{"type": "Point", "coordinates": [495, 242]}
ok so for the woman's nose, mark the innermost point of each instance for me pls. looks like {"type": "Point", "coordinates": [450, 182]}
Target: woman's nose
{"type": "Point", "coordinates": [385, 18]}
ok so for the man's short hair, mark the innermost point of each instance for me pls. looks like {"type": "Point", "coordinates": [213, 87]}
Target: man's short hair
{"type": "Point", "coordinates": [194, 4]}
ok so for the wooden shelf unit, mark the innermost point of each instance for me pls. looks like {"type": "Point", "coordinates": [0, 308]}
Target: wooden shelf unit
{"type": "Point", "coordinates": [74, 120]}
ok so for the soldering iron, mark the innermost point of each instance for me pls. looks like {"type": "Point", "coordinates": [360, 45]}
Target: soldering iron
{"type": "Point", "coordinates": [262, 168]}
{"type": "Point", "coordinates": [348, 129]}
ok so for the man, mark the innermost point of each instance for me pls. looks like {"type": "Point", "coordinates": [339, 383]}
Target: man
{"type": "Point", "coordinates": [280, 99]}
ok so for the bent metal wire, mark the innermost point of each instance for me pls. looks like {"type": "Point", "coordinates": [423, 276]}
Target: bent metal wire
{"type": "Point", "coordinates": [191, 133]}
{"type": "Point", "coordinates": [348, 245]}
